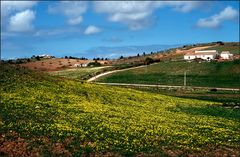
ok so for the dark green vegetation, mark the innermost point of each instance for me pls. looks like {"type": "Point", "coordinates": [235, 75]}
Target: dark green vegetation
{"type": "Point", "coordinates": [46, 115]}
{"type": "Point", "coordinates": [205, 74]}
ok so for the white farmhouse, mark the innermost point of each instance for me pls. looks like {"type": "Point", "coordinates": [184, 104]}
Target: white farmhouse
{"type": "Point", "coordinates": [204, 54]}
{"type": "Point", "coordinates": [226, 55]}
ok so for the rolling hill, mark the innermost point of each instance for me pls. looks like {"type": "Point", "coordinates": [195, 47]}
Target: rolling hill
{"type": "Point", "coordinates": [56, 64]}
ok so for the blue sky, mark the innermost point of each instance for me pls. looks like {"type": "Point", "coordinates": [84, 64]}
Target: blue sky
{"type": "Point", "coordinates": [112, 28]}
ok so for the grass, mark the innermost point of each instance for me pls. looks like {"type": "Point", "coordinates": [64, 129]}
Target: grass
{"type": "Point", "coordinates": [232, 48]}
{"type": "Point", "coordinates": [206, 74]}
{"type": "Point", "coordinates": [81, 73]}
{"type": "Point", "coordinates": [229, 98]}
{"type": "Point", "coordinates": [52, 116]}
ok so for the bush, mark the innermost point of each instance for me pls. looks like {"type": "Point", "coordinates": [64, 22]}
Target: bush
{"type": "Point", "coordinates": [148, 61]}
{"type": "Point", "coordinates": [94, 64]}
{"type": "Point", "coordinates": [236, 61]}
{"type": "Point", "coordinates": [213, 90]}
{"type": "Point", "coordinates": [38, 58]}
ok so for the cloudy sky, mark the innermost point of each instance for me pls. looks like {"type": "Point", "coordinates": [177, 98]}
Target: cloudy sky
{"type": "Point", "coordinates": [112, 28]}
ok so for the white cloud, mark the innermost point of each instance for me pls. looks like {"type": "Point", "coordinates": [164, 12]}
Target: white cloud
{"type": "Point", "coordinates": [182, 6]}
{"type": "Point", "coordinates": [10, 8]}
{"type": "Point", "coordinates": [7, 7]}
{"type": "Point", "coordinates": [22, 21]}
{"type": "Point", "coordinates": [137, 14]}
{"type": "Point", "coordinates": [92, 30]}
{"type": "Point", "coordinates": [58, 32]}
{"type": "Point", "coordinates": [215, 21]}
{"type": "Point", "coordinates": [75, 21]}
{"type": "Point", "coordinates": [73, 10]}
{"type": "Point", "coordinates": [132, 13]}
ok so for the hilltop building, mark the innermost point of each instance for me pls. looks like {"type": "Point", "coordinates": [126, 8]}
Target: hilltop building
{"type": "Point", "coordinates": [203, 54]}
{"type": "Point", "coordinates": [45, 56]}
{"type": "Point", "coordinates": [81, 64]}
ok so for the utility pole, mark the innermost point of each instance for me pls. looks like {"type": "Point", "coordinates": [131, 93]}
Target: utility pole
{"type": "Point", "coordinates": [185, 78]}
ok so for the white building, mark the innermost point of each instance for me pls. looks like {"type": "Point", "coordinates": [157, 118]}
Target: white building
{"type": "Point", "coordinates": [204, 54]}
{"type": "Point", "coordinates": [80, 65]}
{"type": "Point", "coordinates": [226, 55]}
{"type": "Point", "coordinates": [45, 56]}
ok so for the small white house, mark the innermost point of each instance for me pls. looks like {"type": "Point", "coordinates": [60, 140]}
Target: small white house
{"type": "Point", "coordinates": [205, 55]}
{"type": "Point", "coordinates": [226, 55]}
{"type": "Point", "coordinates": [80, 65]}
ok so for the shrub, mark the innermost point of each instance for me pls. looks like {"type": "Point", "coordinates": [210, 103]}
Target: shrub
{"type": "Point", "coordinates": [148, 61]}
{"type": "Point", "coordinates": [38, 58]}
{"type": "Point", "coordinates": [94, 64]}
{"type": "Point", "coordinates": [236, 61]}
{"type": "Point", "coordinates": [213, 90]}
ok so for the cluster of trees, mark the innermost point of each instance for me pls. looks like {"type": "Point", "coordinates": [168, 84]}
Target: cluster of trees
{"type": "Point", "coordinates": [71, 57]}
{"type": "Point", "coordinates": [94, 64]}
{"type": "Point", "coordinates": [138, 55]}
{"type": "Point", "coordinates": [17, 61]}
{"type": "Point", "coordinates": [102, 59]}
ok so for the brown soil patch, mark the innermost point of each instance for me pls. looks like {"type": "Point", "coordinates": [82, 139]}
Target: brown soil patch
{"type": "Point", "coordinates": [57, 64]}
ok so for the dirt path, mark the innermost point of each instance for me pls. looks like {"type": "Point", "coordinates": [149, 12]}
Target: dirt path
{"type": "Point", "coordinates": [114, 71]}
{"type": "Point", "coordinates": [167, 86]}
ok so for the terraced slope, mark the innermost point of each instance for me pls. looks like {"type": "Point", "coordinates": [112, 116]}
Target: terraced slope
{"type": "Point", "coordinates": [46, 115]}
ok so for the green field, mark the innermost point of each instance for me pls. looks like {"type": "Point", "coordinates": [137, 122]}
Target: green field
{"type": "Point", "coordinates": [46, 115]}
{"type": "Point", "coordinates": [205, 74]}
{"type": "Point", "coordinates": [81, 73]}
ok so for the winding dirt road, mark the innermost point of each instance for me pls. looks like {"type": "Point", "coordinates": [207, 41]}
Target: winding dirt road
{"type": "Point", "coordinates": [114, 71]}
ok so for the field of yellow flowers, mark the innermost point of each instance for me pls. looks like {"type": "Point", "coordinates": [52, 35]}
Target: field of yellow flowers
{"type": "Point", "coordinates": [47, 115]}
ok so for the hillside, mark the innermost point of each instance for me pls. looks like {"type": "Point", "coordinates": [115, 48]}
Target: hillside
{"type": "Point", "coordinates": [46, 115]}
{"type": "Point", "coordinates": [233, 48]}
{"type": "Point", "coordinates": [178, 52]}
{"type": "Point", "coordinates": [205, 74]}
{"type": "Point", "coordinates": [56, 64]}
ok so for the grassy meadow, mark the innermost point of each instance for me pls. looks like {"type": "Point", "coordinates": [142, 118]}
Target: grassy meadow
{"type": "Point", "coordinates": [52, 116]}
{"type": "Point", "coordinates": [205, 74]}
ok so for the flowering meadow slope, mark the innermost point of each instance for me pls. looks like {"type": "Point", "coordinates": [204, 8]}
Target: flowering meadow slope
{"type": "Point", "coordinates": [46, 115]}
